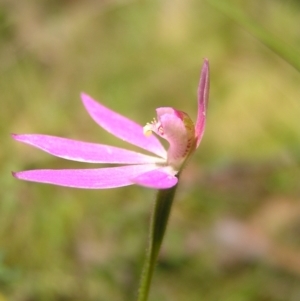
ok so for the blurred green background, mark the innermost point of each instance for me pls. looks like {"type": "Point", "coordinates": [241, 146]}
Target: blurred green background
{"type": "Point", "coordinates": [234, 232]}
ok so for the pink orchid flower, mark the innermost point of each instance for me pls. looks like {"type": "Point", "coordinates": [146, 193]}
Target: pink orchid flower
{"type": "Point", "coordinates": [157, 171]}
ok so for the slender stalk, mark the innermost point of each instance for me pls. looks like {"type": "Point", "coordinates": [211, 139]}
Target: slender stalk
{"type": "Point", "coordinates": [159, 220]}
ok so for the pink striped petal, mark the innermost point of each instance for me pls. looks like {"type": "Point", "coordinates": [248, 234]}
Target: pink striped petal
{"type": "Point", "coordinates": [203, 94]}
{"type": "Point", "coordinates": [87, 178]}
{"type": "Point", "coordinates": [85, 152]}
{"type": "Point", "coordinates": [122, 127]}
{"type": "Point", "coordinates": [157, 178]}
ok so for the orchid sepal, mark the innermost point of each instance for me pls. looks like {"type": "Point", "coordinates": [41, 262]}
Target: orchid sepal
{"type": "Point", "coordinates": [203, 97]}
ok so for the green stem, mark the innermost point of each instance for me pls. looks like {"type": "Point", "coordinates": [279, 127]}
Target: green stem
{"type": "Point", "coordinates": [159, 220]}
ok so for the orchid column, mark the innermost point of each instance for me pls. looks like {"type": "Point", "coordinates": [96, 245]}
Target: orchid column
{"type": "Point", "coordinates": [161, 170]}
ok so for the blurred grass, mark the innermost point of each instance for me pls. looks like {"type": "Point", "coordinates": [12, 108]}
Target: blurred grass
{"type": "Point", "coordinates": [286, 51]}
{"type": "Point", "coordinates": [234, 229]}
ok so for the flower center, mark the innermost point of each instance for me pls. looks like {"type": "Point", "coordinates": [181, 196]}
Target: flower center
{"type": "Point", "coordinates": [178, 129]}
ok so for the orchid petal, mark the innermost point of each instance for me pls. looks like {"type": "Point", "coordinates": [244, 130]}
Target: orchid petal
{"type": "Point", "coordinates": [122, 127]}
{"type": "Point", "coordinates": [203, 94]}
{"type": "Point", "coordinates": [87, 178]}
{"type": "Point", "coordinates": [160, 178]}
{"type": "Point", "coordinates": [84, 151]}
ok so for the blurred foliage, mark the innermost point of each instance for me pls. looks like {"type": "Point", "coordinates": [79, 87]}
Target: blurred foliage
{"type": "Point", "coordinates": [234, 230]}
